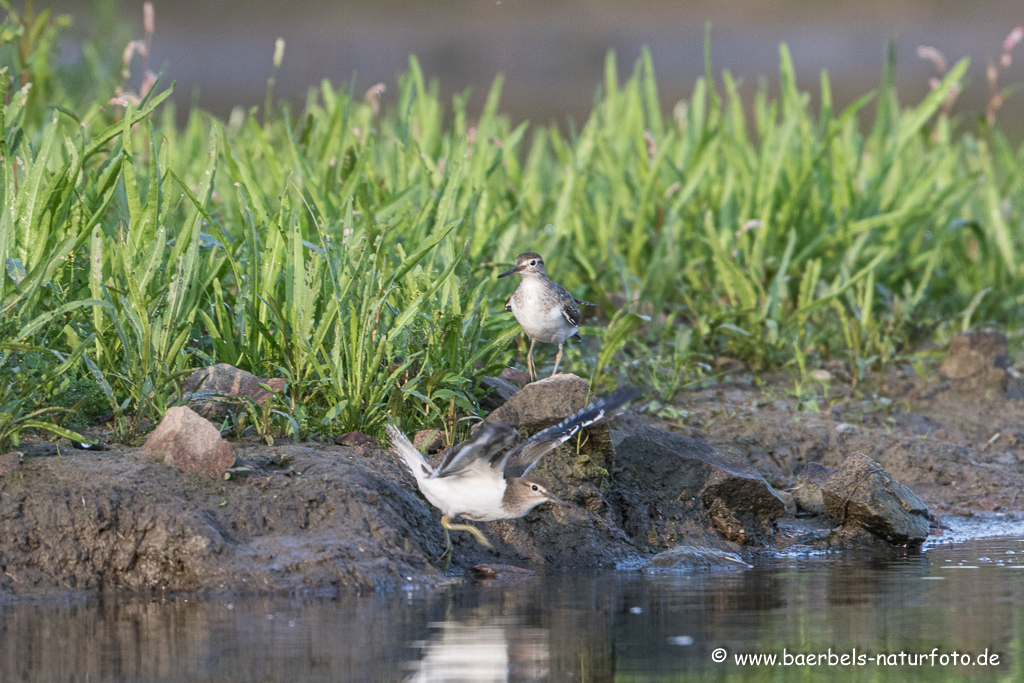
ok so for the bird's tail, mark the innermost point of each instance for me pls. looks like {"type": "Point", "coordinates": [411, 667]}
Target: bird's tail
{"type": "Point", "coordinates": [402, 447]}
{"type": "Point", "coordinates": [526, 456]}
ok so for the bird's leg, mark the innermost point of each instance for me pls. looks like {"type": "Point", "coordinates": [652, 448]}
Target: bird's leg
{"type": "Point", "coordinates": [558, 358]}
{"type": "Point", "coordinates": [529, 362]}
{"type": "Point", "coordinates": [446, 522]}
{"type": "Point", "coordinates": [447, 554]}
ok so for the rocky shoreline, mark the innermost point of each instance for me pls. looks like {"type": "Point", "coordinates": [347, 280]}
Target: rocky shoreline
{"type": "Point", "coordinates": [736, 469]}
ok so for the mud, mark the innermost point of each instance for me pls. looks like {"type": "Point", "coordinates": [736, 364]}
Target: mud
{"type": "Point", "coordinates": [323, 519]}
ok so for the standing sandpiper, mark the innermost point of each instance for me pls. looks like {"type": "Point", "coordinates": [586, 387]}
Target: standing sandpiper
{"type": "Point", "coordinates": [488, 477]}
{"type": "Point", "coordinates": [546, 310]}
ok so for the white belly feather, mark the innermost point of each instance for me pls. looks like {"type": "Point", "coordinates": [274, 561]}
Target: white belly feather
{"type": "Point", "coordinates": [479, 501]}
{"type": "Point", "coordinates": [538, 315]}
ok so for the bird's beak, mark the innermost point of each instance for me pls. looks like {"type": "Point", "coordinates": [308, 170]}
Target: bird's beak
{"type": "Point", "coordinates": [556, 501]}
{"type": "Point", "coordinates": [511, 272]}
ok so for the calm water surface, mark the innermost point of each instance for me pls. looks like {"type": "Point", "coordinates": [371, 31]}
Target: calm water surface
{"type": "Point", "coordinates": [625, 626]}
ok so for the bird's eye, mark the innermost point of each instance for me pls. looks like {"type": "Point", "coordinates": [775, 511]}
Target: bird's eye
{"type": "Point", "coordinates": [533, 262]}
{"type": "Point", "coordinates": [534, 487]}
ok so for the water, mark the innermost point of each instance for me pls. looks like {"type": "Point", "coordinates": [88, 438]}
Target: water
{"type": "Point", "coordinates": [627, 626]}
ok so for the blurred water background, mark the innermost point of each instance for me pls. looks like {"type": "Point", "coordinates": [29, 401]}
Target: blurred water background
{"type": "Point", "coordinates": [551, 52]}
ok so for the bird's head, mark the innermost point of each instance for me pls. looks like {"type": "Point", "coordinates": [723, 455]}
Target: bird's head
{"type": "Point", "coordinates": [529, 263]}
{"type": "Point", "coordinates": [525, 493]}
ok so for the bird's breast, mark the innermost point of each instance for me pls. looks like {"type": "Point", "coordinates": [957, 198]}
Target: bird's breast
{"type": "Point", "coordinates": [539, 312]}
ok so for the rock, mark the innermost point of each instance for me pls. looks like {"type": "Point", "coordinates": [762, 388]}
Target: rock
{"type": "Point", "coordinates": [543, 403]}
{"type": "Point", "coordinates": [356, 439]}
{"type": "Point", "coordinates": [490, 572]}
{"type": "Point", "coordinates": [978, 359]}
{"type": "Point", "coordinates": [861, 494]}
{"type": "Point", "coordinates": [916, 424]}
{"type": "Point", "coordinates": [694, 486]}
{"type": "Point", "coordinates": [808, 488]}
{"type": "Point", "coordinates": [547, 402]}
{"type": "Point", "coordinates": [788, 500]}
{"type": "Point", "coordinates": [499, 391]}
{"type": "Point", "coordinates": [10, 463]}
{"type": "Point", "coordinates": [517, 377]}
{"type": "Point", "coordinates": [1014, 384]}
{"type": "Point", "coordinates": [191, 443]}
{"type": "Point", "coordinates": [730, 366]}
{"type": "Point", "coordinates": [428, 440]}
{"type": "Point", "coordinates": [226, 380]}
{"type": "Point", "coordinates": [694, 558]}
{"type": "Point", "coordinates": [838, 367]}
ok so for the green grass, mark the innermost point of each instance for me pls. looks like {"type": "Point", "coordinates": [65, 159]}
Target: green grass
{"type": "Point", "coordinates": [354, 254]}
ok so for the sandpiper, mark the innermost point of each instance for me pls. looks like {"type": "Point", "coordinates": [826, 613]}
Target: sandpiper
{"type": "Point", "coordinates": [546, 310]}
{"type": "Point", "coordinates": [488, 477]}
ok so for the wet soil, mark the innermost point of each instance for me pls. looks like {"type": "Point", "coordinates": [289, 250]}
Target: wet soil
{"type": "Point", "coordinates": [313, 518]}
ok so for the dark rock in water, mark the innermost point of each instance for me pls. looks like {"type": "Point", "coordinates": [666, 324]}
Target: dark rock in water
{"type": "Point", "coordinates": [191, 443]}
{"type": "Point", "coordinates": [808, 488]}
{"type": "Point", "coordinates": [490, 572]}
{"type": "Point", "coordinates": [517, 377]}
{"type": "Point", "coordinates": [202, 387]}
{"type": "Point", "coordinates": [978, 360]}
{"type": "Point", "coordinates": [585, 458]}
{"type": "Point", "coordinates": [694, 558]}
{"type": "Point", "coordinates": [500, 390]}
{"type": "Point", "coordinates": [672, 487]}
{"type": "Point", "coordinates": [10, 463]}
{"type": "Point", "coordinates": [860, 494]}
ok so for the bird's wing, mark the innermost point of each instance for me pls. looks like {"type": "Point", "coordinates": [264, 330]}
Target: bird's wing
{"type": "Point", "coordinates": [519, 461]}
{"type": "Point", "coordinates": [490, 440]}
{"type": "Point", "coordinates": [581, 302]}
{"type": "Point", "coordinates": [402, 447]}
{"type": "Point", "coordinates": [570, 311]}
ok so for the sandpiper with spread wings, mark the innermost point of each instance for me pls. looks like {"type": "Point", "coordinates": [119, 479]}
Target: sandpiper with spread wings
{"type": "Point", "coordinates": [488, 477]}
{"type": "Point", "coordinates": [546, 310]}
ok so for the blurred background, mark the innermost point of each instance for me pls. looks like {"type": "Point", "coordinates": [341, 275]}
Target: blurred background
{"type": "Point", "coordinates": [550, 51]}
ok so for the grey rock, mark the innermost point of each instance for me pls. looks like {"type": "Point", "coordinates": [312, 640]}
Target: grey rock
{"type": "Point", "coordinates": [499, 391]}
{"type": "Point", "coordinates": [695, 558]}
{"type": "Point", "coordinates": [190, 442]}
{"type": "Point", "coordinates": [543, 403]}
{"type": "Point", "coordinates": [10, 463]}
{"type": "Point", "coordinates": [808, 488]}
{"type": "Point", "coordinates": [978, 359]}
{"type": "Point", "coordinates": [204, 385]}
{"type": "Point", "coordinates": [356, 439]}
{"type": "Point", "coordinates": [860, 494]}
{"type": "Point", "coordinates": [428, 440]}
{"type": "Point", "coordinates": [517, 377]}
{"type": "Point", "coordinates": [585, 458]}
{"type": "Point", "coordinates": [699, 487]}
{"type": "Point", "coordinates": [1014, 384]}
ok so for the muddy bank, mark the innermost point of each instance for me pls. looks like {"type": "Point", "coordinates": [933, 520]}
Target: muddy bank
{"type": "Point", "coordinates": [324, 518]}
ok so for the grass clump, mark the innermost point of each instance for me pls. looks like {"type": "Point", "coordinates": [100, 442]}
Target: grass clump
{"type": "Point", "coordinates": [353, 253]}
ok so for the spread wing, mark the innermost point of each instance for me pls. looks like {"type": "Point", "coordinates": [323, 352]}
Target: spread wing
{"type": "Point", "coordinates": [491, 441]}
{"type": "Point", "coordinates": [519, 461]}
